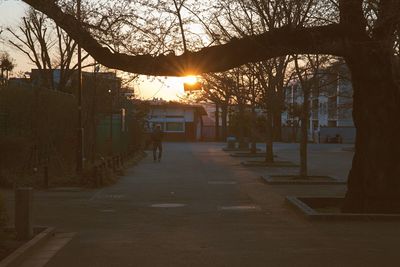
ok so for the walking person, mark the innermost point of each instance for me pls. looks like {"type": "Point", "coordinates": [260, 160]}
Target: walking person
{"type": "Point", "coordinates": [156, 137]}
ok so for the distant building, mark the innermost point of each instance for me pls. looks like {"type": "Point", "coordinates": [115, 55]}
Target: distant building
{"type": "Point", "coordinates": [331, 105]}
{"type": "Point", "coordinates": [53, 79]}
{"type": "Point", "coordinates": [19, 82]}
{"type": "Point", "coordinates": [180, 122]}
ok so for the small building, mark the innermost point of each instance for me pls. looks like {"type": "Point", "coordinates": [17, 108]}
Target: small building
{"type": "Point", "coordinates": [180, 122]}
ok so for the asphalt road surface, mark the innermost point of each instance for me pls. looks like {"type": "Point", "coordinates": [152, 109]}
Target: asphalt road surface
{"type": "Point", "coordinates": [200, 207]}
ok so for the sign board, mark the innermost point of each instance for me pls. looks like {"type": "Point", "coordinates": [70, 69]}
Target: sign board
{"type": "Point", "coordinates": [189, 87]}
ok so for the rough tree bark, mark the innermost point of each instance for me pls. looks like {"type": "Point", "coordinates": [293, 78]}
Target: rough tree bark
{"type": "Point", "coordinates": [373, 182]}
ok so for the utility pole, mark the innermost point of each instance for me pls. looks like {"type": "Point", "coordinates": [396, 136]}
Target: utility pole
{"type": "Point", "coordinates": [80, 154]}
{"type": "Point", "coordinates": [110, 91]}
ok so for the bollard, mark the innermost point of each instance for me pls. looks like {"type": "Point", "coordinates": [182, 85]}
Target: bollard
{"type": "Point", "coordinates": [46, 177]}
{"type": "Point", "coordinates": [23, 213]}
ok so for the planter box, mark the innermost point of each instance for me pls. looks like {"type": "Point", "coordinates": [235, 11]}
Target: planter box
{"type": "Point", "coordinates": [249, 155]}
{"type": "Point", "coordinates": [238, 149]}
{"type": "Point", "coordinates": [294, 179]}
{"type": "Point", "coordinates": [276, 164]}
{"type": "Point", "coordinates": [42, 234]}
{"type": "Point", "coordinates": [328, 208]}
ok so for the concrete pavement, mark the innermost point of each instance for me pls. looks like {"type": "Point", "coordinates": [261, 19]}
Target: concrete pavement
{"type": "Point", "coordinates": [200, 207]}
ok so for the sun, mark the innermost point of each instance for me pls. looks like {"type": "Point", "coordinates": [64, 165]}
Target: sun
{"type": "Point", "coordinates": [189, 79]}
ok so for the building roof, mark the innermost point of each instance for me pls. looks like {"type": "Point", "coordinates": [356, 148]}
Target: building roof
{"type": "Point", "coordinates": [164, 104]}
{"type": "Point", "coordinates": [207, 121]}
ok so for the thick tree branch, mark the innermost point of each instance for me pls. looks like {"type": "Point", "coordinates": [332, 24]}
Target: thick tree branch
{"type": "Point", "coordinates": [322, 40]}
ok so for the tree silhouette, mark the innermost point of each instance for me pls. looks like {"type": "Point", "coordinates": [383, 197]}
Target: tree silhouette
{"type": "Point", "coordinates": [6, 66]}
{"type": "Point", "coordinates": [346, 28]}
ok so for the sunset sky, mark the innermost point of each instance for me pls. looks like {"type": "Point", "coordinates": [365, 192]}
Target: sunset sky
{"type": "Point", "coordinates": [11, 11]}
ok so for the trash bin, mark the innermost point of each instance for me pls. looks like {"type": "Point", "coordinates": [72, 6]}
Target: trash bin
{"type": "Point", "coordinates": [231, 142]}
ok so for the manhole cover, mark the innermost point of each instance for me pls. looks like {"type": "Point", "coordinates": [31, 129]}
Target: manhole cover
{"type": "Point", "coordinates": [240, 208]}
{"type": "Point", "coordinates": [221, 182]}
{"type": "Point", "coordinates": [168, 205]}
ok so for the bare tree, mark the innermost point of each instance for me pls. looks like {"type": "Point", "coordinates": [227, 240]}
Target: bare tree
{"type": "Point", "coordinates": [217, 89]}
{"type": "Point", "coordinates": [48, 47]}
{"type": "Point", "coordinates": [309, 76]}
{"type": "Point", "coordinates": [369, 52]}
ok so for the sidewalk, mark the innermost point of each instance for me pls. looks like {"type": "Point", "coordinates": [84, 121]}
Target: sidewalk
{"type": "Point", "coordinates": [200, 207]}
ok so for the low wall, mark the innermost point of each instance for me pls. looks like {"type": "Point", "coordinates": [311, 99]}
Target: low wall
{"type": "Point", "coordinates": [347, 134]}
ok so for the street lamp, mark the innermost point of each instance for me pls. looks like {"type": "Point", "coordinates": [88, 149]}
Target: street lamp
{"type": "Point", "coordinates": [111, 121]}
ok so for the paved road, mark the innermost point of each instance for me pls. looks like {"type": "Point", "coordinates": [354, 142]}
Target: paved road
{"type": "Point", "coordinates": [199, 207]}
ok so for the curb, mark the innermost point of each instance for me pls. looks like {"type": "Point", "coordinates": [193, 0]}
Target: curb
{"type": "Point", "coordinates": [21, 253]}
{"type": "Point", "coordinates": [269, 179]}
{"type": "Point", "coordinates": [275, 164]}
{"type": "Point", "coordinates": [238, 149]}
{"type": "Point", "coordinates": [301, 205]}
{"type": "Point", "coordinates": [248, 155]}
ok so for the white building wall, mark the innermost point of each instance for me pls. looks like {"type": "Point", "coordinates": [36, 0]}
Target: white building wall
{"type": "Point", "coordinates": [323, 111]}
{"type": "Point", "coordinates": [334, 104]}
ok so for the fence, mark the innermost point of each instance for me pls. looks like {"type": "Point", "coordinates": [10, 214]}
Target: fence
{"type": "Point", "coordinates": [38, 133]}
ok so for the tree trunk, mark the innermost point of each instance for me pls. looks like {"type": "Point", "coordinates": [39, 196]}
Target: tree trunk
{"type": "Point", "coordinates": [2, 82]}
{"type": "Point", "coordinates": [280, 104]}
{"type": "Point", "coordinates": [277, 125]}
{"type": "Point", "coordinates": [253, 148]}
{"type": "Point", "coordinates": [224, 114]}
{"type": "Point", "coordinates": [269, 150]}
{"type": "Point", "coordinates": [241, 127]}
{"type": "Point", "coordinates": [216, 122]}
{"type": "Point", "coordinates": [304, 133]}
{"type": "Point", "coordinates": [373, 182]}
{"type": "Point", "coordinates": [7, 76]}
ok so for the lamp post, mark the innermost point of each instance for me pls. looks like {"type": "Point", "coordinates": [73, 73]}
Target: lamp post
{"type": "Point", "coordinates": [111, 121]}
{"type": "Point", "coordinates": [80, 153]}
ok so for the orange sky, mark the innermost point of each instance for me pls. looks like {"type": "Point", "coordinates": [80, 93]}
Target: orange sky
{"type": "Point", "coordinates": [168, 88]}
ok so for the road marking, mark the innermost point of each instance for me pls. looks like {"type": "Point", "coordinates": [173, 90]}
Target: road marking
{"type": "Point", "coordinates": [240, 208]}
{"type": "Point", "coordinates": [168, 205]}
{"type": "Point", "coordinates": [95, 195]}
{"type": "Point", "coordinates": [114, 196]}
{"type": "Point", "coordinates": [222, 182]}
